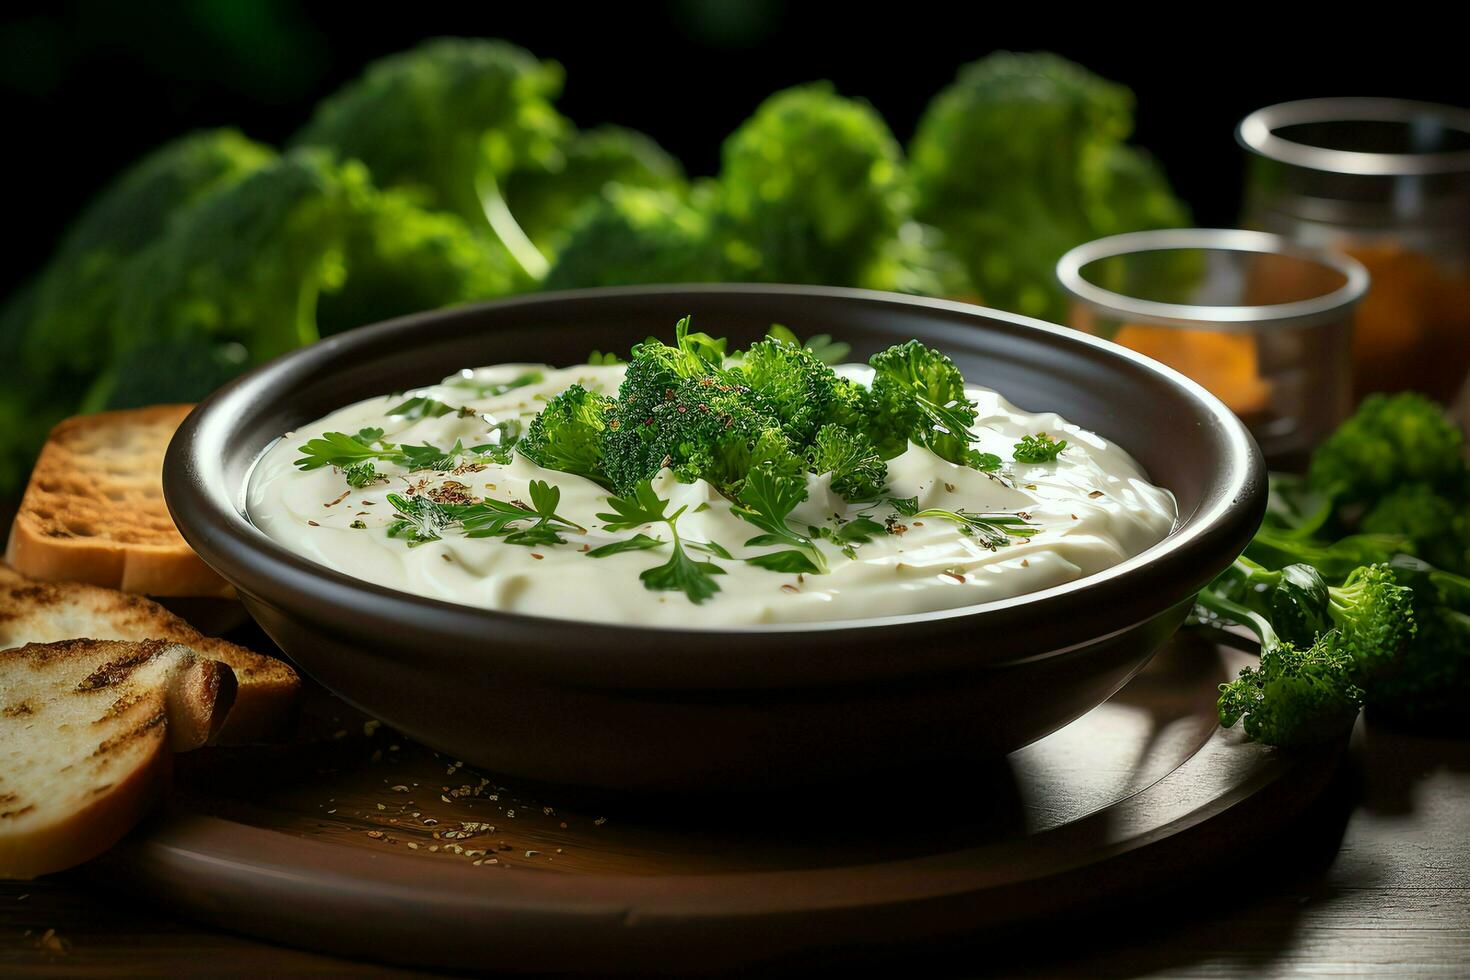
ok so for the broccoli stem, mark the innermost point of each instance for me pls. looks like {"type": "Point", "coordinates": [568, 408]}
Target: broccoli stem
{"type": "Point", "coordinates": [1232, 611]}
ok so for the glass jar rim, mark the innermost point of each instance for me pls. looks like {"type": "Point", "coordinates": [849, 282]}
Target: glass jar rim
{"type": "Point", "coordinates": [1259, 134]}
{"type": "Point", "coordinates": [1329, 306]}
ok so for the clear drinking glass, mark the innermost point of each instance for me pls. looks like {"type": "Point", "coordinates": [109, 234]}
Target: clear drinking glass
{"type": "Point", "coordinates": [1261, 322]}
{"type": "Point", "coordinates": [1388, 182]}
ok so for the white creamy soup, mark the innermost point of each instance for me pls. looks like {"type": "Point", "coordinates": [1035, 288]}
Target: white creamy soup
{"type": "Point", "coordinates": [1090, 508]}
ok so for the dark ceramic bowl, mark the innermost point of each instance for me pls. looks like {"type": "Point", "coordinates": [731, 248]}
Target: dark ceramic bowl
{"type": "Point", "coordinates": [651, 709]}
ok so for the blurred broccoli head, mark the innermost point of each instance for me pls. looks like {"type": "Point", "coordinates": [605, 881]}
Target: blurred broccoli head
{"type": "Point", "coordinates": [1022, 158]}
{"type": "Point", "coordinates": [400, 259]}
{"type": "Point", "coordinates": [247, 264]}
{"type": "Point", "coordinates": [450, 118]}
{"type": "Point", "coordinates": [813, 186]}
{"type": "Point", "coordinates": [1437, 525]}
{"type": "Point", "coordinates": [546, 199]}
{"type": "Point", "coordinates": [636, 235]}
{"type": "Point", "coordinates": [1391, 440]}
{"type": "Point", "coordinates": [77, 294]}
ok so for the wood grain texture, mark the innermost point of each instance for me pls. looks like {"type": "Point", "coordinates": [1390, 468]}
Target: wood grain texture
{"type": "Point", "coordinates": [1373, 879]}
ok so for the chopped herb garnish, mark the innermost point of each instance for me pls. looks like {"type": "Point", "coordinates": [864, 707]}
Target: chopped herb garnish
{"type": "Point", "coordinates": [680, 573]}
{"type": "Point", "coordinates": [421, 519]}
{"type": "Point", "coordinates": [991, 531]}
{"type": "Point", "coordinates": [984, 462]}
{"type": "Point", "coordinates": [361, 475]}
{"type": "Point", "coordinates": [850, 534]}
{"type": "Point", "coordinates": [1040, 448]}
{"type": "Point", "coordinates": [496, 518]}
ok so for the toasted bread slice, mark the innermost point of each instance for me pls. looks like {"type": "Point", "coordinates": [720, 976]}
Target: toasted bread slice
{"type": "Point", "coordinates": [87, 733]}
{"type": "Point", "coordinates": [94, 511]}
{"type": "Point", "coordinates": [45, 612]}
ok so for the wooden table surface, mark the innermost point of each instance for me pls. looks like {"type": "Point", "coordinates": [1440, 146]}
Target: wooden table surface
{"type": "Point", "coordinates": [1374, 879]}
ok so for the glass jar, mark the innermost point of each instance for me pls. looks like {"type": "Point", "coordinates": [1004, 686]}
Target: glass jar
{"type": "Point", "coordinates": [1263, 323]}
{"type": "Point", "coordinates": [1388, 182]}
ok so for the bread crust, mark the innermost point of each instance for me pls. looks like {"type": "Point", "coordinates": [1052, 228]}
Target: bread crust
{"type": "Point", "coordinates": [93, 511]}
{"type": "Point", "coordinates": [32, 611]}
{"type": "Point", "coordinates": [90, 728]}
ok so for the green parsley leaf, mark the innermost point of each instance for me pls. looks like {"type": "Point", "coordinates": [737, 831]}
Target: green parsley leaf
{"type": "Point", "coordinates": [638, 542]}
{"type": "Point", "coordinates": [680, 573]}
{"type": "Point", "coordinates": [984, 462]}
{"type": "Point", "coordinates": [766, 500]}
{"type": "Point", "coordinates": [420, 407]}
{"type": "Point", "coordinates": [683, 574]}
{"type": "Point", "coordinates": [342, 450]}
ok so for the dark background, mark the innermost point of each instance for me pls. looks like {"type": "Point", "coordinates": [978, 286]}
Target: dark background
{"type": "Point", "coordinates": [89, 86]}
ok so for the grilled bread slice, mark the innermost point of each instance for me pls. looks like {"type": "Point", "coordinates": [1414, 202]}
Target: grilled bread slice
{"type": "Point", "coordinates": [94, 511]}
{"type": "Point", "coordinates": [88, 729]}
{"type": "Point", "coordinates": [45, 612]}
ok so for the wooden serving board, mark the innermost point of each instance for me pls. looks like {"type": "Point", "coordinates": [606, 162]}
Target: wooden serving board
{"type": "Point", "coordinates": [355, 841]}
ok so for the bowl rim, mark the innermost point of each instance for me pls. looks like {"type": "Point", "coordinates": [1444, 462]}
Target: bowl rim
{"type": "Point", "coordinates": [210, 515]}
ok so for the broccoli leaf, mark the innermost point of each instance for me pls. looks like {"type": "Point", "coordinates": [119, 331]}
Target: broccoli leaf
{"type": "Point", "coordinates": [1039, 448]}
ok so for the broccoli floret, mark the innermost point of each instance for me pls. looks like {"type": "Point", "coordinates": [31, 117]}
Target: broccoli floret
{"type": "Point", "coordinates": [247, 264]}
{"type": "Point", "coordinates": [545, 199]}
{"type": "Point", "coordinates": [1370, 609]}
{"type": "Point", "coordinates": [1438, 526]}
{"type": "Point", "coordinates": [1297, 695]}
{"type": "Point", "coordinates": [1391, 440]}
{"type": "Point", "coordinates": [919, 395]}
{"type": "Point", "coordinates": [1430, 685]}
{"type": "Point", "coordinates": [858, 472]}
{"type": "Point", "coordinates": [567, 435]}
{"type": "Point", "coordinates": [451, 119]}
{"type": "Point", "coordinates": [76, 296]}
{"type": "Point", "coordinates": [401, 259]}
{"type": "Point", "coordinates": [813, 189]}
{"type": "Point", "coordinates": [802, 389]}
{"type": "Point", "coordinates": [708, 427]}
{"type": "Point", "coordinates": [634, 235]}
{"type": "Point", "coordinates": [1023, 158]}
